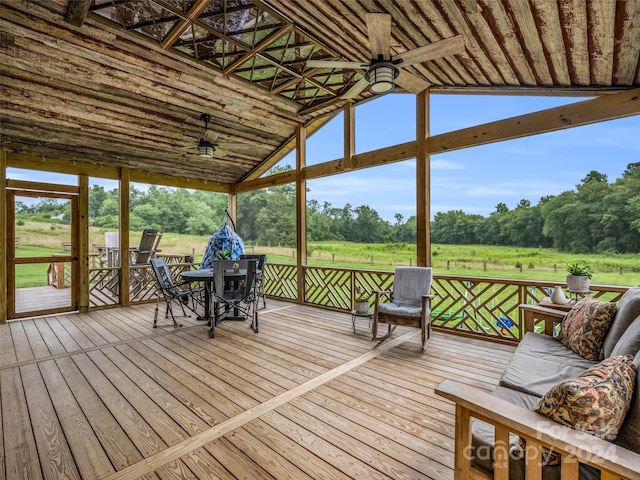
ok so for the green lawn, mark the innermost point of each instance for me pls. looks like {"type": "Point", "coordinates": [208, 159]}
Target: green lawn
{"type": "Point", "coordinates": [34, 274]}
{"type": "Point", "coordinates": [474, 260]}
{"type": "Point", "coordinates": [468, 260]}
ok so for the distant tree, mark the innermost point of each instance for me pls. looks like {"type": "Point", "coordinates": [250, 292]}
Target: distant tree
{"type": "Point", "coordinates": [368, 227]}
{"type": "Point", "coordinates": [97, 196]}
{"type": "Point", "coordinates": [455, 227]}
{"type": "Point", "coordinates": [631, 170]}
{"type": "Point", "coordinates": [201, 219]}
{"type": "Point", "coordinates": [592, 176]}
{"type": "Point", "coordinates": [406, 232]}
{"type": "Point", "coordinates": [501, 208]}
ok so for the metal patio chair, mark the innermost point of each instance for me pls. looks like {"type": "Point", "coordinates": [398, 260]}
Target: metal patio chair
{"type": "Point", "coordinates": [171, 292]}
{"type": "Point", "coordinates": [234, 292]}
{"type": "Point", "coordinates": [262, 259]}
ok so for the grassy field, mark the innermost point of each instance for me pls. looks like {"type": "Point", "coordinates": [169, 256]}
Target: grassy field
{"type": "Point", "coordinates": [472, 260]}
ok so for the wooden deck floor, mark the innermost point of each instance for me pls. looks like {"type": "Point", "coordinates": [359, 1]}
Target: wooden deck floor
{"type": "Point", "coordinates": [105, 396]}
{"type": "Point", "coordinates": [42, 298]}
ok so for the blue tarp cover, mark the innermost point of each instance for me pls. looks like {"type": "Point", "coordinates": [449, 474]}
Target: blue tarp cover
{"type": "Point", "coordinates": [224, 239]}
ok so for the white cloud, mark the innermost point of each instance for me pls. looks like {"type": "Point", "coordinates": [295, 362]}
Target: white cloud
{"type": "Point", "coordinates": [348, 185]}
{"type": "Point", "coordinates": [440, 164]}
{"type": "Point", "coordinates": [521, 189]}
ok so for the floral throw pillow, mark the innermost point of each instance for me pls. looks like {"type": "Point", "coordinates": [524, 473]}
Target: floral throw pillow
{"type": "Point", "coordinates": [597, 401]}
{"type": "Point", "coordinates": [583, 329]}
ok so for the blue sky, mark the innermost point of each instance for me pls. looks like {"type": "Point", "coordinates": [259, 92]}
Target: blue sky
{"type": "Point", "coordinates": [474, 180]}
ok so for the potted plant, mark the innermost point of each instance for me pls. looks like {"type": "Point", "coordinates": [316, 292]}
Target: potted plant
{"type": "Point", "coordinates": [362, 300]}
{"type": "Point", "coordinates": [579, 277]}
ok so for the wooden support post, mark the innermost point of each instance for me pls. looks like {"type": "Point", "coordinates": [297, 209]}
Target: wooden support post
{"type": "Point", "coordinates": [349, 133]}
{"type": "Point", "coordinates": [233, 207]}
{"type": "Point", "coordinates": [82, 247]}
{"type": "Point", "coordinates": [301, 209]}
{"type": "Point", "coordinates": [3, 236]}
{"type": "Point", "coordinates": [124, 190]}
{"type": "Point", "coordinates": [423, 181]}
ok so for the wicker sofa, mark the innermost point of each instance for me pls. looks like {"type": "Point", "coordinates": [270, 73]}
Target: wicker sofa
{"type": "Point", "coordinates": [539, 363]}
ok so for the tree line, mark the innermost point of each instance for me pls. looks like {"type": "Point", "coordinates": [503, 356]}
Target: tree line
{"type": "Point", "coordinates": [596, 217]}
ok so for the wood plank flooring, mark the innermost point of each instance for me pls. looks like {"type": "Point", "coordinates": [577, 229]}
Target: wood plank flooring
{"type": "Point", "coordinates": [105, 396]}
{"type": "Point", "coordinates": [30, 299]}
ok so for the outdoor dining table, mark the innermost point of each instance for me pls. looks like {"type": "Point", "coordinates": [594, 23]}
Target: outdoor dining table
{"type": "Point", "coordinates": [206, 275]}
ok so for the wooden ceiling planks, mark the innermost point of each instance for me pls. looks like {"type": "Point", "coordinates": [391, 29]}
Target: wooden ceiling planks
{"type": "Point", "coordinates": [627, 44]}
{"type": "Point", "coordinates": [601, 18]}
{"type": "Point", "coordinates": [104, 95]}
{"type": "Point", "coordinates": [126, 91]}
{"type": "Point", "coordinates": [547, 20]}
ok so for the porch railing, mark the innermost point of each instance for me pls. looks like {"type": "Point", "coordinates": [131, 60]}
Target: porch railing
{"type": "Point", "coordinates": [104, 282]}
{"type": "Point", "coordinates": [486, 307]}
{"type": "Point", "coordinates": [477, 306]}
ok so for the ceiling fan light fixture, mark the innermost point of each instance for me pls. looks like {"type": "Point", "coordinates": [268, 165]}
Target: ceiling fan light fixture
{"type": "Point", "coordinates": [205, 149]}
{"type": "Point", "coordinates": [381, 76]}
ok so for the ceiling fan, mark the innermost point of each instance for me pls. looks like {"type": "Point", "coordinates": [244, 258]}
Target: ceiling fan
{"type": "Point", "coordinates": [383, 70]}
{"type": "Point", "coordinates": [207, 145]}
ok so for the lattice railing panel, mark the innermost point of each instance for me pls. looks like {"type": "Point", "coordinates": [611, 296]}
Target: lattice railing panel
{"type": "Point", "coordinates": [372, 281]}
{"type": "Point", "coordinates": [473, 305]}
{"type": "Point", "coordinates": [280, 280]}
{"type": "Point", "coordinates": [104, 284]}
{"type": "Point", "coordinates": [479, 306]}
{"type": "Point", "coordinates": [330, 287]}
{"type": "Point", "coordinates": [104, 287]}
{"type": "Point", "coordinates": [142, 284]}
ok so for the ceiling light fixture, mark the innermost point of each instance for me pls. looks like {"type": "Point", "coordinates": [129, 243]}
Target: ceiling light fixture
{"type": "Point", "coordinates": [205, 149]}
{"type": "Point", "coordinates": [381, 76]}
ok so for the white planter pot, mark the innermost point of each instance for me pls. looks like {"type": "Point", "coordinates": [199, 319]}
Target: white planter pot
{"type": "Point", "coordinates": [578, 283]}
{"type": "Point", "coordinates": [362, 307]}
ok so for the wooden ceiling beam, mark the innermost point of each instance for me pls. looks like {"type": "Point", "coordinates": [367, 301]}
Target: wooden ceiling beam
{"type": "Point", "coordinates": [71, 167]}
{"type": "Point", "coordinates": [608, 107]}
{"type": "Point", "coordinates": [77, 12]}
{"type": "Point", "coordinates": [179, 29]}
{"type": "Point", "coordinates": [58, 165]}
{"type": "Point", "coordinates": [259, 48]}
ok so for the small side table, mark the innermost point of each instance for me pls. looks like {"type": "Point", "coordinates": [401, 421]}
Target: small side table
{"type": "Point", "coordinates": [578, 294]}
{"type": "Point", "coordinates": [546, 302]}
{"type": "Point", "coordinates": [355, 314]}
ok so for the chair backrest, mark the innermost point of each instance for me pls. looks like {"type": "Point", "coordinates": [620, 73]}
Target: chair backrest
{"type": "Point", "coordinates": [262, 259]}
{"type": "Point", "coordinates": [111, 239]}
{"type": "Point", "coordinates": [410, 284]}
{"type": "Point", "coordinates": [222, 274]}
{"type": "Point", "coordinates": [148, 245]}
{"type": "Point", "coordinates": [162, 273]}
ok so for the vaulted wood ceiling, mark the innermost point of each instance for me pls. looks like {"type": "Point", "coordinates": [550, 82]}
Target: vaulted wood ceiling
{"type": "Point", "coordinates": [124, 82]}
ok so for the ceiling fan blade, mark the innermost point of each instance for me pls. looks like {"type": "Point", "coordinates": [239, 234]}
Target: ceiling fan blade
{"type": "Point", "coordinates": [411, 83]}
{"type": "Point", "coordinates": [240, 147]}
{"type": "Point", "coordinates": [441, 48]}
{"type": "Point", "coordinates": [210, 136]}
{"type": "Point", "coordinates": [354, 91]}
{"type": "Point", "coordinates": [379, 29]}
{"type": "Point", "coordinates": [334, 64]}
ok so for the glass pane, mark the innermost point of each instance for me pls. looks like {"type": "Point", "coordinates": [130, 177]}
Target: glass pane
{"type": "Point", "coordinates": [43, 226]}
{"type": "Point", "coordinates": [43, 286]}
